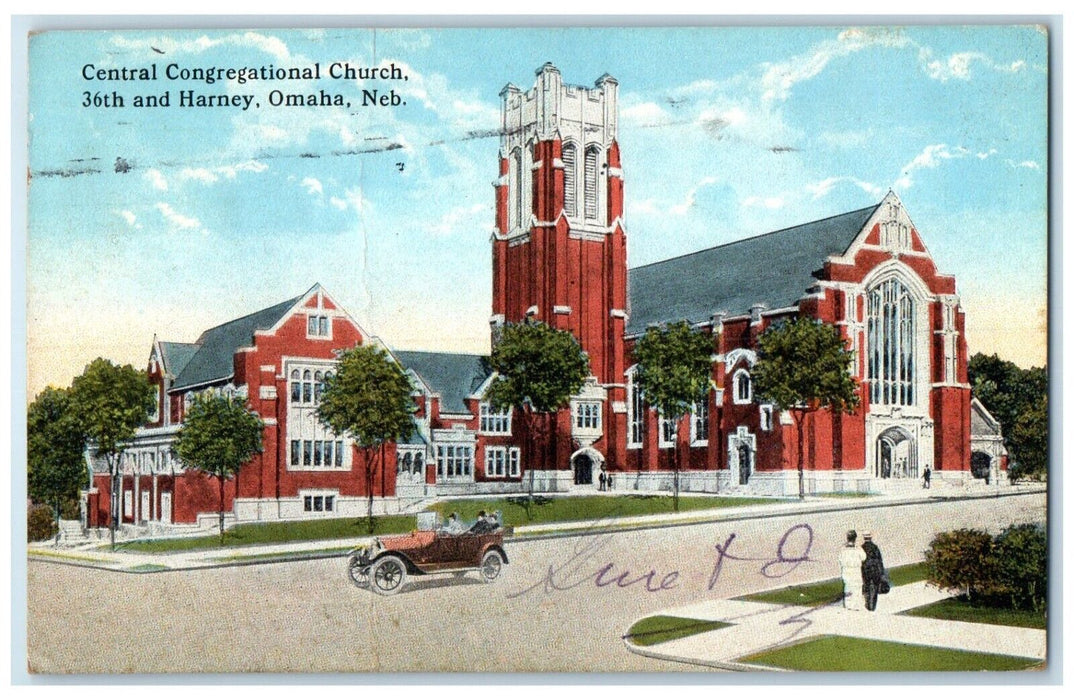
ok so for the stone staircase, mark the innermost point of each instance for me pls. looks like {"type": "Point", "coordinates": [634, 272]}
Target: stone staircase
{"type": "Point", "coordinates": [71, 533]}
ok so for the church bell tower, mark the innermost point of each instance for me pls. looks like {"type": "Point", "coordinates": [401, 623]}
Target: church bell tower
{"type": "Point", "coordinates": [559, 248]}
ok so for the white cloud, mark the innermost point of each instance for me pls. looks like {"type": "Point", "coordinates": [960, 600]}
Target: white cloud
{"type": "Point", "coordinates": [461, 217]}
{"type": "Point", "coordinates": [691, 197]}
{"type": "Point", "coordinates": [766, 202]}
{"type": "Point", "coordinates": [203, 175]}
{"type": "Point", "coordinates": [249, 166]}
{"type": "Point", "coordinates": [175, 218]}
{"type": "Point", "coordinates": [954, 67]}
{"type": "Point", "coordinates": [823, 187]}
{"type": "Point", "coordinates": [931, 157]}
{"type": "Point", "coordinates": [987, 154]}
{"type": "Point", "coordinates": [313, 186]}
{"type": "Point", "coordinates": [351, 199]}
{"type": "Point", "coordinates": [157, 179]}
{"type": "Point", "coordinates": [169, 45]}
{"type": "Point", "coordinates": [644, 114]}
{"type": "Point", "coordinates": [779, 78]}
{"type": "Point", "coordinates": [1029, 164]}
{"type": "Point", "coordinates": [130, 218]}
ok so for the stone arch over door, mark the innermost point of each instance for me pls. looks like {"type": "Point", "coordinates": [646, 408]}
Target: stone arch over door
{"type": "Point", "coordinates": [585, 464]}
{"type": "Point", "coordinates": [896, 455]}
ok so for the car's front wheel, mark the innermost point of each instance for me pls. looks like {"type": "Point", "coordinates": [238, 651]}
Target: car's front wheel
{"type": "Point", "coordinates": [491, 565]}
{"type": "Point", "coordinates": [388, 575]}
{"type": "Point", "coordinates": [357, 572]}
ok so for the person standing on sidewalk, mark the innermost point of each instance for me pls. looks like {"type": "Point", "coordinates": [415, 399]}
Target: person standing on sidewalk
{"type": "Point", "coordinates": [850, 563]}
{"type": "Point", "coordinates": [928, 478]}
{"type": "Point", "coordinates": [872, 571]}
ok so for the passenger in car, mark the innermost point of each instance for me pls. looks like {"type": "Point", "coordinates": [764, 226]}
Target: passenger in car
{"type": "Point", "coordinates": [453, 526]}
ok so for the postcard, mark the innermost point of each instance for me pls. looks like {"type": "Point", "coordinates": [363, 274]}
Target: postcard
{"type": "Point", "coordinates": [574, 349]}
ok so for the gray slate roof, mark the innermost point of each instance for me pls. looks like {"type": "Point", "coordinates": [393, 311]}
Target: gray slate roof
{"type": "Point", "coordinates": [980, 424]}
{"type": "Point", "coordinates": [214, 359]}
{"type": "Point", "coordinates": [774, 269]}
{"type": "Point", "coordinates": [175, 356]}
{"type": "Point", "coordinates": [453, 376]}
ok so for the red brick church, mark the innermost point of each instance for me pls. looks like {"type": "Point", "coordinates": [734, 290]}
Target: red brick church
{"type": "Point", "coordinates": [559, 255]}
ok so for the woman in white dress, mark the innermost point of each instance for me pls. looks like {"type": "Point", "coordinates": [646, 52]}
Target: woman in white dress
{"type": "Point", "coordinates": [850, 560]}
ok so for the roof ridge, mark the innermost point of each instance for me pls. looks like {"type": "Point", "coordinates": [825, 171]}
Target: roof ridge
{"type": "Point", "coordinates": [755, 237]}
{"type": "Point", "coordinates": [289, 302]}
{"type": "Point", "coordinates": [441, 352]}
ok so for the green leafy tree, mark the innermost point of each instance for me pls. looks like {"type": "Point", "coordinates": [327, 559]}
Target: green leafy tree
{"type": "Point", "coordinates": [674, 366]}
{"type": "Point", "coordinates": [804, 366]}
{"type": "Point", "coordinates": [539, 369]}
{"type": "Point", "coordinates": [55, 446]}
{"type": "Point", "coordinates": [219, 435]}
{"type": "Point", "coordinates": [1018, 399]}
{"type": "Point", "coordinates": [1021, 554]}
{"type": "Point", "coordinates": [112, 401]}
{"type": "Point", "coordinates": [368, 399]}
{"type": "Point", "coordinates": [962, 560]}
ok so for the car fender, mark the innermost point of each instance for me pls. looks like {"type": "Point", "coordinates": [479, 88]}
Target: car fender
{"type": "Point", "coordinates": [495, 548]}
{"type": "Point", "coordinates": [411, 567]}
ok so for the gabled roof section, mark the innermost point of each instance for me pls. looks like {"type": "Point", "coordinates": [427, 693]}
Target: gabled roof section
{"type": "Point", "coordinates": [452, 376]}
{"type": "Point", "coordinates": [175, 356]}
{"type": "Point", "coordinates": [774, 269]}
{"type": "Point", "coordinates": [982, 423]}
{"type": "Point", "coordinates": [214, 359]}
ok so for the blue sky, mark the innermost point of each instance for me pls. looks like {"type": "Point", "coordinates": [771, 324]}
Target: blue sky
{"type": "Point", "coordinates": [725, 133]}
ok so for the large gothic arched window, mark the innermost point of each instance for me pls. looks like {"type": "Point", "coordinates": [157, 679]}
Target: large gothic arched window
{"type": "Point", "coordinates": [891, 344]}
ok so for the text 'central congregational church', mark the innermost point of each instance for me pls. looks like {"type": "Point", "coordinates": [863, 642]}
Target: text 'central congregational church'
{"type": "Point", "coordinates": [559, 255]}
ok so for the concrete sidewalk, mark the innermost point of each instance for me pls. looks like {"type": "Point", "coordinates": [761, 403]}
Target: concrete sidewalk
{"type": "Point", "coordinates": [757, 627]}
{"type": "Point", "coordinates": [98, 555]}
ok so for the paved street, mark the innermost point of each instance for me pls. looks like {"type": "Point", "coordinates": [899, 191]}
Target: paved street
{"type": "Point", "coordinates": [562, 604]}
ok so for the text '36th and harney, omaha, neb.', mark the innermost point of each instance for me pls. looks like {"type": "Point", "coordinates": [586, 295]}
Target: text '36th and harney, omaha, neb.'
{"type": "Point", "coordinates": [294, 90]}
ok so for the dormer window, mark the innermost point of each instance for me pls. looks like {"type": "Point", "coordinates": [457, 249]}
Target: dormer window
{"type": "Point", "coordinates": [493, 422]}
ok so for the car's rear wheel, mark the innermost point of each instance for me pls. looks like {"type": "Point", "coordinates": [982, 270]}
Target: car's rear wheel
{"type": "Point", "coordinates": [357, 572]}
{"type": "Point", "coordinates": [388, 575]}
{"type": "Point", "coordinates": [491, 565]}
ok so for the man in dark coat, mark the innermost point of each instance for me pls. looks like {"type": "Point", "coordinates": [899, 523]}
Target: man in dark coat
{"type": "Point", "coordinates": [872, 571]}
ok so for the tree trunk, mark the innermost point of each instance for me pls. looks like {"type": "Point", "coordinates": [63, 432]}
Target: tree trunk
{"type": "Point", "coordinates": [800, 419]}
{"type": "Point", "coordinates": [221, 477]}
{"type": "Point", "coordinates": [115, 501]}
{"type": "Point", "coordinates": [675, 467]}
{"type": "Point", "coordinates": [56, 512]}
{"type": "Point", "coordinates": [369, 471]}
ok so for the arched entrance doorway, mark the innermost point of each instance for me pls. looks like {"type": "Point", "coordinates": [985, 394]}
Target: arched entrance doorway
{"type": "Point", "coordinates": [585, 463]}
{"type": "Point", "coordinates": [981, 466]}
{"type": "Point", "coordinates": [745, 463]}
{"type": "Point", "coordinates": [896, 455]}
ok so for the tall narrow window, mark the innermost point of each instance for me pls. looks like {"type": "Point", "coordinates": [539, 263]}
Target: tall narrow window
{"type": "Point", "coordinates": [636, 417]}
{"type": "Point", "coordinates": [891, 344]}
{"type": "Point", "coordinates": [699, 422]}
{"type": "Point", "coordinates": [514, 189]}
{"type": "Point", "coordinates": [591, 156]}
{"type": "Point", "coordinates": [570, 179]}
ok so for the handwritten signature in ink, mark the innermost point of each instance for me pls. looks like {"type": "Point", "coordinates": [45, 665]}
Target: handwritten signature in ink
{"type": "Point", "coordinates": [578, 569]}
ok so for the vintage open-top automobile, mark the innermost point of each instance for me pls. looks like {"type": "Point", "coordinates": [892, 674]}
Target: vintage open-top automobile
{"type": "Point", "coordinates": [384, 563]}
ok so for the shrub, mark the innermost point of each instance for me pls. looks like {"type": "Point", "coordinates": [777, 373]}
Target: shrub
{"type": "Point", "coordinates": [40, 524]}
{"type": "Point", "coordinates": [1021, 556]}
{"type": "Point", "coordinates": [964, 560]}
{"type": "Point", "coordinates": [70, 509]}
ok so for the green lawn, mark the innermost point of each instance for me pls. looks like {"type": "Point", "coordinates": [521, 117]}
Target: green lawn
{"type": "Point", "coordinates": [542, 510]}
{"type": "Point", "coordinates": [835, 653]}
{"type": "Point", "coordinates": [961, 610]}
{"type": "Point", "coordinates": [664, 628]}
{"type": "Point", "coordinates": [832, 589]}
{"type": "Point", "coordinates": [275, 533]}
{"type": "Point", "coordinates": [588, 508]}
